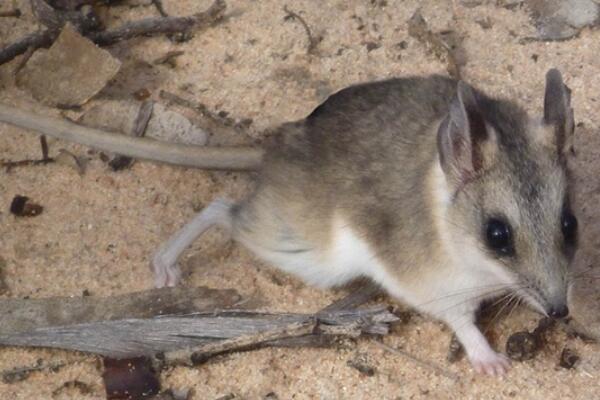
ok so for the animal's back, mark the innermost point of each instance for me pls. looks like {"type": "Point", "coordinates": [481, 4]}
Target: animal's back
{"type": "Point", "coordinates": [350, 175]}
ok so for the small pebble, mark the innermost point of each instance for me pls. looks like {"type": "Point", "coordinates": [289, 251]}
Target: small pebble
{"type": "Point", "coordinates": [21, 206]}
{"type": "Point", "coordinates": [568, 358]}
{"type": "Point", "coordinates": [522, 346]}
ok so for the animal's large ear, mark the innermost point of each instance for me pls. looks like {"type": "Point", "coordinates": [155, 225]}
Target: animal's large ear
{"type": "Point", "coordinates": [557, 110]}
{"type": "Point", "coordinates": [462, 136]}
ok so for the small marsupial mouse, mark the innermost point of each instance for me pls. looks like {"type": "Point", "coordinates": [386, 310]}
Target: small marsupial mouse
{"type": "Point", "coordinates": [440, 194]}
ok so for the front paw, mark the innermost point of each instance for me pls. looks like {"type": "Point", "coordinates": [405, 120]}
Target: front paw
{"type": "Point", "coordinates": [489, 362]}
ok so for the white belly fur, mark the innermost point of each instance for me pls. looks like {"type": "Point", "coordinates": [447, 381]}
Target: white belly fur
{"type": "Point", "coordinates": [348, 257]}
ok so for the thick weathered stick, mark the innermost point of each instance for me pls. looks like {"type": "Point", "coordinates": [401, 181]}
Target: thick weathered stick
{"type": "Point", "coordinates": [190, 338]}
{"type": "Point", "coordinates": [35, 40]}
{"type": "Point", "coordinates": [223, 158]}
{"type": "Point", "coordinates": [18, 315]}
{"type": "Point", "coordinates": [179, 325]}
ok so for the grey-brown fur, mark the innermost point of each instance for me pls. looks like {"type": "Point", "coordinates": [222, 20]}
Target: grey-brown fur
{"type": "Point", "coordinates": [366, 152]}
{"type": "Point", "coordinates": [405, 181]}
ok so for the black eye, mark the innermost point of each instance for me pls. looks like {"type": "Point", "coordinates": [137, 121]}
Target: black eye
{"type": "Point", "coordinates": [568, 225]}
{"type": "Point", "coordinates": [498, 236]}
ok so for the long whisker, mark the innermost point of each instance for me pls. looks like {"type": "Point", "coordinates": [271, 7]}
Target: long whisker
{"type": "Point", "coordinates": [508, 299]}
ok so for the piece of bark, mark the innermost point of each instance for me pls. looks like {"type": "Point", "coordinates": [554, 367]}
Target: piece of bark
{"type": "Point", "coordinates": [18, 315]}
{"type": "Point", "coordinates": [71, 72]}
{"type": "Point", "coordinates": [196, 337]}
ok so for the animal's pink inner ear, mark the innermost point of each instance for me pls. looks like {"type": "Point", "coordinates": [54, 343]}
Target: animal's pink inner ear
{"type": "Point", "coordinates": [461, 135]}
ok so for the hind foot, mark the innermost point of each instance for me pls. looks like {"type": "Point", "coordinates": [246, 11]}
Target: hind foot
{"type": "Point", "coordinates": [165, 274]}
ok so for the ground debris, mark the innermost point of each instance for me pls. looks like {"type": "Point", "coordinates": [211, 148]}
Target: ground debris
{"type": "Point", "coordinates": [228, 396]}
{"type": "Point", "coordinates": [133, 378]}
{"type": "Point", "coordinates": [69, 159]}
{"type": "Point", "coordinates": [11, 13]}
{"type": "Point", "coordinates": [170, 58]}
{"type": "Point", "coordinates": [21, 373]}
{"type": "Point", "coordinates": [446, 45]}
{"type": "Point", "coordinates": [313, 41]}
{"type": "Point", "coordinates": [88, 24]}
{"type": "Point", "coordinates": [568, 358]}
{"type": "Point", "coordinates": [140, 124]}
{"type": "Point", "coordinates": [3, 285]}
{"type": "Point", "coordinates": [361, 363]}
{"type": "Point", "coordinates": [163, 124]}
{"type": "Point", "coordinates": [524, 345]}
{"type": "Point", "coordinates": [562, 19]}
{"type": "Point", "coordinates": [81, 388]}
{"type": "Point", "coordinates": [21, 206]}
{"type": "Point", "coordinates": [455, 350]}
{"type": "Point", "coordinates": [71, 72]}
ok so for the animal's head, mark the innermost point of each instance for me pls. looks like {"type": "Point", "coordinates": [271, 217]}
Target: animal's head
{"type": "Point", "coordinates": [509, 191]}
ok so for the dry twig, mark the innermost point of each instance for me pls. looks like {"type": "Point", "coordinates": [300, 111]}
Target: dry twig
{"type": "Point", "coordinates": [162, 25]}
{"type": "Point", "coordinates": [11, 13]}
{"type": "Point", "coordinates": [139, 128]}
{"type": "Point", "coordinates": [423, 363]}
{"type": "Point", "coordinates": [312, 41]}
{"type": "Point", "coordinates": [21, 163]}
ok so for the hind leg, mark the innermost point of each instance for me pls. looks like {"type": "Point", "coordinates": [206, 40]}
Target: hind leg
{"type": "Point", "coordinates": [164, 262]}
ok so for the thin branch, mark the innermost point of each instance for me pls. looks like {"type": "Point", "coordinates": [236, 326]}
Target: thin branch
{"type": "Point", "coordinates": [21, 373]}
{"type": "Point", "coordinates": [162, 25]}
{"type": "Point", "coordinates": [140, 124]}
{"type": "Point", "coordinates": [200, 354]}
{"type": "Point", "coordinates": [159, 7]}
{"type": "Point", "coordinates": [423, 363]}
{"type": "Point", "coordinates": [35, 40]}
{"type": "Point", "coordinates": [312, 41]}
{"type": "Point", "coordinates": [11, 13]}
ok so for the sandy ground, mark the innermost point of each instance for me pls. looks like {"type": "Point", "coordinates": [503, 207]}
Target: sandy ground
{"type": "Point", "coordinates": [99, 230]}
